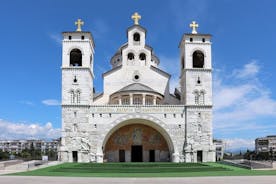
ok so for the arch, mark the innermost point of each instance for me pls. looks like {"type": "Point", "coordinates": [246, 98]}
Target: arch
{"type": "Point", "coordinates": [78, 93]}
{"type": "Point", "coordinates": [130, 56]}
{"type": "Point", "coordinates": [142, 56]}
{"type": "Point", "coordinates": [136, 37]}
{"type": "Point", "coordinates": [198, 59]}
{"type": "Point", "coordinates": [75, 57]}
{"type": "Point", "coordinates": [139, 119]}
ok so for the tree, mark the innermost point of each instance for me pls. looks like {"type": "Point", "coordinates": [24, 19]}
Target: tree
{"type": "Point", "coordinates": [4, 155]}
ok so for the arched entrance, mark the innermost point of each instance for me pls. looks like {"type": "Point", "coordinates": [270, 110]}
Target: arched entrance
{"type": "Point", "coordinates": [137, 140]}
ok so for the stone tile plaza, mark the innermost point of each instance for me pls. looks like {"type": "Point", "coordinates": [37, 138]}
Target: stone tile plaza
{"type": "Point", "coordinates": [136, 118]}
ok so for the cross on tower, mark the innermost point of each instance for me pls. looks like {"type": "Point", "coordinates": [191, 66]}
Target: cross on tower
{"type": "Point", "coordinates": [136, 17]}
{"type": "Point", "coordinates": [194, 25]}
{"type": "Point", "coordinates": [79, 23]}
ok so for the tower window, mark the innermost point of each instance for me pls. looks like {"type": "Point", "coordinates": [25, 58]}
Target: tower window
{"type": "Point", "coordinates": [198, 80]}
{"type": "Point", "coordinates": [198, 59]}
{"type": "Point", "coordinates": [203, 40]}
{"type": "Point", "coordinates": [142, 56]}
{"type": "Point", "coordinates": [75, 57]}
{"type": "Point", "coordinates": [191, 39]}
{"type": "Point", "coordinates": [78, 96]}
{"type": "Point", "coordinates": [70, 37]}
{"type": "Point", "coordinates": [82, 37]}
{"type": "Point", "coordinates": [201, 97]}
{"type": "Point", "coordinates": [130, 56]}
{"type": "Point", "coordinates": [182, 62]}
{"type": "Point", "coordinates": [136, 37]}
{"type": "Point", "coordinates": [75, 79]}
{"type": "Point", "coordinates": [196, 93]}
{"type": "Point", "coordinates": [72, 96]}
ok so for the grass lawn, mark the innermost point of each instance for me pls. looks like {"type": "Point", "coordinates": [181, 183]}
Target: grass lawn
{"type": "Point", "coordinates": [143, 170]}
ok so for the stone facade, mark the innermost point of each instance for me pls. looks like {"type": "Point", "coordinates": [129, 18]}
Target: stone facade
{"type": "Point", "coordinates": [136, 101]}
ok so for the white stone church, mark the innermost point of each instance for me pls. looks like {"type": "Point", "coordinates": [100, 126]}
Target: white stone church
{"type": "Point", "coordinates": [136, 118]}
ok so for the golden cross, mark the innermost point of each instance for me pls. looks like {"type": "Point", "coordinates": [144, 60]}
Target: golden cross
{"type": "Point", "coordinates": [136, 17]}
{"type": "Point", "coordinates": [79, 23]}
{"type": "Point", "coordinates": [194, 25]}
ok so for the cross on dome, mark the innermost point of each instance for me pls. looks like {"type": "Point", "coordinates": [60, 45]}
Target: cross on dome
{"type": "Point", "coordinates": [79, 23]}
{"type": "Point", "coordinates": [136, 17]}
{"type": "Point", "coordinates": [194, 25]}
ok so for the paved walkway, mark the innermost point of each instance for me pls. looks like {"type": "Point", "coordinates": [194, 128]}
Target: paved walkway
{"type": "Point", "coordinates": [188, 180]}
{"type": "Point", "coordinates": [24, 166]}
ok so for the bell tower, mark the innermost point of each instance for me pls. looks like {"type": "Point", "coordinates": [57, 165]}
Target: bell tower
{"type": "Point", "coordinates": [77, 90]}
{"type": "Point", "coordinates": [196, 94]}
{"type": "Point", "coordinates": [77, 67]}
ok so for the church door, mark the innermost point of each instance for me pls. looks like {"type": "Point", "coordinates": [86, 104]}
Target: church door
{"type": "Point", "coordinates": [122, 156]}
{"type": "Point", "coordinates": [151, 155]}
{"type": "Point", "coordinates": [75, 156]}
{"type": "Point", "coordinates": [136, 154]}
{"type": "Point", "coordinates": [199, 156]}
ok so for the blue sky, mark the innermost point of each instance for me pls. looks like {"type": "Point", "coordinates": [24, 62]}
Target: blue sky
{"type": "Point", "coordinates": [243, 49]}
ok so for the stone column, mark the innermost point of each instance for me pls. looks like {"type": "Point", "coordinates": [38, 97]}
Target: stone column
{"type": "Point", "coordinates": [130, 99]}
{"type": "Point", "coordinates": [120, 100]}
{"type": "Point", "coordinates": [144, 99]}
{"type": "Point", "coordinates": [154, 100]}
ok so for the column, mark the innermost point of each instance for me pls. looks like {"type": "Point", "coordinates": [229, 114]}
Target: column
{"type": "Point", "coordinates": [130, 99]}
{"type": "Point", "coordinates": [120, 100]}
{"type": "Point", "coordinates": [144, 99]}
{"type": "Point", "coordinates": [154, 100]}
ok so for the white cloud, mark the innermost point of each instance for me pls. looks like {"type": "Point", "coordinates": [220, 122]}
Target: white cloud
{"type": "Point", "coordinates": [249, 70]}
{"type": "Point", "coordinates": [239, 143]}
{"type": "Point", "coordinates": [10, 130]}
{"type": "Point", "coordinates": [56, 37]}
{"type": "Point", "coordinates": [51, 102]}
{"type": "Point", "coordinates": [239, 105]}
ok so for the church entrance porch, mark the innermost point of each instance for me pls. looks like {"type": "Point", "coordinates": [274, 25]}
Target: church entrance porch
{"type": "Point", "coordinates": [136, 143]}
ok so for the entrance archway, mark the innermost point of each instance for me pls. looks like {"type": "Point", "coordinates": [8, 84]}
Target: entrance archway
{"type": "Point", "coordinates": [137, 140]}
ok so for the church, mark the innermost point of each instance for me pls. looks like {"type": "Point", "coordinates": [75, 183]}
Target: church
{"type": "Point", "coordinates": [136, 118]}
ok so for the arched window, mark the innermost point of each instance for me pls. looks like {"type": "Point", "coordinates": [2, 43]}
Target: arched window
{"type": "Point", "coordinates": [137, 100]}
{"type": "Point", "coordinates": [125, 100]}
{"type": "Point", "coordinates": [198, 59]}
{"type": "Point", "coordinates": [201, 97]}
{"type": "Point", "coordinates": [142, 56]}
{"type": "Point", "coordinates": [130, 56]}
{"type": "Point", "coordinates": [149, 100]}
{"type": "Point", "coordinates": [78, 96]}
{"type": "Point", "coordinates": [136, 37]}
{"type": "Point", "coordinates": [75, 58]}
{"type": "Point", "coordinates": [196, 93]}
{"type": "Point", "coordinates": [158, 101]}
{"type": "Point", "coordinates": [115, 101]}
{"type": "Point", "coordinates": [72, 96]}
